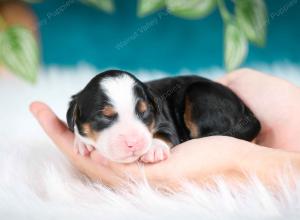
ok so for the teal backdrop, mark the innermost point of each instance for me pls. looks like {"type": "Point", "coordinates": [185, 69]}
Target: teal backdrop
{"type": "Point", "coordinates": [72, 32]}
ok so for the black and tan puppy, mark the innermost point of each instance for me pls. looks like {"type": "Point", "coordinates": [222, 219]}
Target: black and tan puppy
{"type": "Point", "coordinates": [126, 120]}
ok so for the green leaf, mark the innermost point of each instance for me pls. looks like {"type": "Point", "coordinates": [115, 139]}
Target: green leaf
{"type": "Point", "coordinates": [105, 5]}
{"type": "Point", "coordinates": [146, 7]}
{"type": "Point", "coordinates": [236, 46]}
{"type": "Point", "coordinates": [19, 52]}
{"type": "Point", "coordinates": [191, 9]}
{"type": "Point", "coordinates": [252, 19]}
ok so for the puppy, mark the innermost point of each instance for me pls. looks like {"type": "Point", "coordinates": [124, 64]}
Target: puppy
{"type": "Point", "coordinates": [128, 120]}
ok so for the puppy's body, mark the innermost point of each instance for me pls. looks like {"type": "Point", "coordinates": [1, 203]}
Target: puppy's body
{"type": "Point", "coordinates": [198, 107]}
{"type": "Point", "coordinates": [125, 119]}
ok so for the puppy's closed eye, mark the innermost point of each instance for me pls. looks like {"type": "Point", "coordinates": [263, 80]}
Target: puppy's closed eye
{"type": "Point", "coordinates": [104, 118]}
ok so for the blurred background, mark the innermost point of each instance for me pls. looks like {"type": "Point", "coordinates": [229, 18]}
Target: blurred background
{"type": "Point", "coordinates": [153, 35]}
{"type": "Point", "coordinates": [158, 41]}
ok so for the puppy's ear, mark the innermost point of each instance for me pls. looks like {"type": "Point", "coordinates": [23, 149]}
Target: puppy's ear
{"type": "Point", "coordinates": [72, 114]}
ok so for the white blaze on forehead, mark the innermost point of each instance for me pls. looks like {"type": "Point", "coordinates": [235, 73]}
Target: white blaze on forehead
{"type": "Point", "coordinates": [120, 91]}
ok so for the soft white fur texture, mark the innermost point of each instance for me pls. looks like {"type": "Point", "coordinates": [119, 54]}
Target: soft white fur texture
{"type": "Point", "coordinates": [37, 182]}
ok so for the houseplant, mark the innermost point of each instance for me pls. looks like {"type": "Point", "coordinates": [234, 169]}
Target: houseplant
{"type": "Point", "coordinates": [19, 51]}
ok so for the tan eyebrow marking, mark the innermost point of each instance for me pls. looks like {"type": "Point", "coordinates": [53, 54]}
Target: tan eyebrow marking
{"type": "Point", "coordinates": [108, 110]}
{"type": "Point", "coordinates": [193, 128]}
{"type": "Point", "coordinates": [142, 106]}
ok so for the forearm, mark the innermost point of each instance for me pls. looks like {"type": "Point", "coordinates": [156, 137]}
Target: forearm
{"type": "Point", "coordinates": [274, 102]}
{"type": "Point", "coordinates": [269, 165]}
{"type": "Point", "coordinates": [229, 158]}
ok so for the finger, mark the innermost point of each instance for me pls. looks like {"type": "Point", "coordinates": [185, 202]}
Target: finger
{"type": "Point", "coordinates": [115, 174]}
{"type": "Point", "coordinates": [225, 79]}
{"type": "Point", "coordinates": [54, 127]}
{"type": "Point", "coordinates": [98, 158]}
{"type": "Point", "coordinates": [110, 174]}
{"type": "Point", "coordinates": [120, 169]}
{"type": "Point", "coordinates": [222, 80]}
{"type": "Point", "coordinates": [64, 139]}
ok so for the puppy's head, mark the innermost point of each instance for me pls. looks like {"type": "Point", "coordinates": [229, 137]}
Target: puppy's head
{"type": "Point", "coordinates": [116, 114]}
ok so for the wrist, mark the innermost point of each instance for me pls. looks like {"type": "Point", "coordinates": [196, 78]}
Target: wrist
{"type": "Point", "coordinates": [268, 164]}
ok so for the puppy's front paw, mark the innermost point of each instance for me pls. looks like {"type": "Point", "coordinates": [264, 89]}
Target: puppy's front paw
{"type": "Point", "coordinates": [82, 149]}
{"type": "Point", "coordinates": [159, 151]}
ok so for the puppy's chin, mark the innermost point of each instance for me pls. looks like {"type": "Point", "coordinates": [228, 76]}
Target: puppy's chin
{"type": "Point", "coordinates": [125, 159]}
{"type": "Point", "coordinates": [130, 159]}
{"type": "Point", "coordinates": [121, 157]}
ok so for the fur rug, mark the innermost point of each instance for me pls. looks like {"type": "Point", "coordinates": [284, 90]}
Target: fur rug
{"type": "Point", "coordinates": [37, 182]}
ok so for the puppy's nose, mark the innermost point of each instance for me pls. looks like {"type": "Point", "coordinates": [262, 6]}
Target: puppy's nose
{"type": "Point", "coordinates": [134, 144]}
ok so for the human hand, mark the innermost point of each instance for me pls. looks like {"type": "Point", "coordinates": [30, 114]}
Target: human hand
{"type": "Point", "coordinates": [195, 160]}
{"type": "Point", "coordinates": [200, 159]}
{"type": "Point", "coordinates": [92, 165]}
{"type": "Point", "coordinates": [274, 101]}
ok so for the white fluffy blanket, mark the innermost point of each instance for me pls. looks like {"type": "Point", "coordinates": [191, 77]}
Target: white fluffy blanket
{"type": "Point", "coordinates": [37, 182]}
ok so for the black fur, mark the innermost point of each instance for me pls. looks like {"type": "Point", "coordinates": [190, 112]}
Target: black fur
{"type": "Point", "coordinates": [216, 110]}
